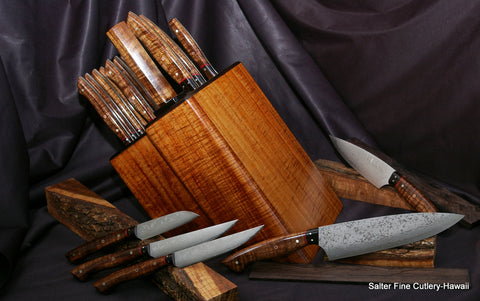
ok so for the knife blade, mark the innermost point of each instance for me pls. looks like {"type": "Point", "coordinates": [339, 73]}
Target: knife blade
{"type": "Point", "coordinates": [350, 238]}
{"type": "Point", "coordinates": [192, 48]}
{"type": "Point", "coordinates": [154, 249]}
{"type": "Point", "coordinates": [379, 173]}
{"type": "Point", "coordinates": [182, 258]}
{"type": "Point", "coordinates": [141, 231]}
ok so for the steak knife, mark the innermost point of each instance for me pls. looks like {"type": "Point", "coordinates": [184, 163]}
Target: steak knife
{"type": "Point", "coordinates": [181, 259]}
{"type": "Point", "coordinates": [141, 231]}
{"type": "Point", "coordinates": [379, 173]}
{"type": "Point", "coordinates": [350, 238]}
{"type": "Point", "coordinates": [154, 249]}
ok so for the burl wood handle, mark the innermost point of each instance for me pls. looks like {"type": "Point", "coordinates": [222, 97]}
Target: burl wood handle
{"type": "Point", "coordinates": [271, 248]}
{"type": "Point", "coordinates": [83, 271]}
{"type": "Point", "coordinates": [161, 52]}
{"type": "Point", "coordinates": [135, 271]}
{"type": "Point", "coordinates": [411, 194]}
{"type": "Point", "coordinates": [191, 46]}
{"type": "Point", "coordinates": [97, 244]}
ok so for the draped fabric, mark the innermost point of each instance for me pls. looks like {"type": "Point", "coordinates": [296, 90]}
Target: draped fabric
{"type": "Point", "coordinates": [400, 75]}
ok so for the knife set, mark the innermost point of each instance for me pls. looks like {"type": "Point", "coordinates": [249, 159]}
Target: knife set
{"type": "Point", "coordinates": [204, 141]}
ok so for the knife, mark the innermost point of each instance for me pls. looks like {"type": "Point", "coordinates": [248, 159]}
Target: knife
{"type": "Point", "coordinates": [350, 238]}
{"type": "Point", "coordinates": [192, 48]}
{"type": "Point", "coordinates": [154, 249]}
{"type": "Point", "coordinates": [182, 258]}
{"type": "Point", "coordinates": [141, 231]}
{"type": "Point", "coordinates": [161, 52]}
{"type": "Point", "coordinates": [379, 173]}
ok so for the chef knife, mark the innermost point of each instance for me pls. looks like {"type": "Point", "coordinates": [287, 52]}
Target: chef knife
{"type": "Point", "coordinates": [350, 238]}
{"type": "Point", "coordinates": [379, 173]}
{"type": "Point", "coordinates": [191, 46]}
{"type": "Point", "coordinates": [155, 249]}
{"type": "Point", "coordinates": [141, 231]}
{"type": "Point", "coordinates": [181, 259]}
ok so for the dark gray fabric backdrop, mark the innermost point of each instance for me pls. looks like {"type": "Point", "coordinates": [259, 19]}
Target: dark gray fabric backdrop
{"type": "Point", "coordinates": [400, 75]}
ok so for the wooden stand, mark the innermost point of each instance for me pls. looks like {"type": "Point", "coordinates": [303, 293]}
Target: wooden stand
{"type": "Point", "coordinates": [90, 216]}
{"type": "Point", "coordinates": [225, 153]}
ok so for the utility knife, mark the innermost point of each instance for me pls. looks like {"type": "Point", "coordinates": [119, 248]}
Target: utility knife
{"type": "Point", "coordinates": [379, 173]}
{"type": "Point", "coordinates": [350, 238]}
{"type": "Point", "coordinates": [141, 231]}
{"type": "Point", "coordinates": [154, 249]}
{"type": "Point", "coordinates": [181, 259]}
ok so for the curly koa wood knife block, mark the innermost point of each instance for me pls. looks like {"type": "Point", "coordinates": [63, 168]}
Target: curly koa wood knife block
{"type": "Point", "coordinates": [225, 153]}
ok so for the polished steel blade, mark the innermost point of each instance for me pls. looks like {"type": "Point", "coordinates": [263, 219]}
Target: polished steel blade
{"type": "Point", "coordinates": [368, 165]}
{"type": "Point", "coordinates": [179, 242]}
{"type": "Point", "coordinates": [212, 248]}
{"type": "Point", "coordinates": [379, 233]}
{"type": "Point", "coordinates": [163, 224]}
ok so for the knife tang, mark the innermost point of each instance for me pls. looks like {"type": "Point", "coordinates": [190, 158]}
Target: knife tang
{"type": "Point", "coordinates": [192, 48]}
{"type": "Point", "coordinates": [178, 51]}
{"type": "Point", "coordinates": [99, 243]}
{"type": "Point", "coordinates": [411, 194]}
{"type": "Point", "coordinates": [140, 62]}
{"type": "Point", "coordinates": [138, 270]}
{"type": "Point", "coordinates": [271, 248]}
{"type": "Point", "coordinates": [108, 261]}
{"type": "Point", "coordinates": [161, 52]}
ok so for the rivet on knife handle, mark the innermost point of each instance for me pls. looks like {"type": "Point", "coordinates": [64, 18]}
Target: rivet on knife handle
{"type": "Point", "coordinates": [412, 195]}
{"type": "Point", "coordinates": [140, 62]}
{"type": "Point", "coordinates": [97, 244]}
{"type": "Point", "coordinates": [271, 248]}
{"type": "Point", "coordinates": [191, 46]}
{"type": "Point", "coordinates": [108, 261]}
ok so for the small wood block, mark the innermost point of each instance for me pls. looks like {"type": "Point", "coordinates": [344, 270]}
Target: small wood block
{"type": "Point", "coordinates": [332, 272]}
{"type": "Point", "coordinates": [87, 214]}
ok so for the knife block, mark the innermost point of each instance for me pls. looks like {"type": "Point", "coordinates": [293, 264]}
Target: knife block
{"type": "Point", "coordinates": [225, 153]}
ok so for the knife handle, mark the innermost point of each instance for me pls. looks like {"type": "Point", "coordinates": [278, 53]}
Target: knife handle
{"type": "Point", "coordinates": [191, 46]}
{"type": "Point", "coordinates": [99, 243]}
{"type": "Point", "coordinates": [83, 271]}
{"type": "Point", "coordinates": [271, 248]}
{"type": "Point", "coordinates": [132, 272]}
{"type": "Point", "coordinates": [411, 194]}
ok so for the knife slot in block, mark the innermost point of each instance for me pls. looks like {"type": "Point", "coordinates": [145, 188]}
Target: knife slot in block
{"type": "Point", "coordinates": [225, 153]}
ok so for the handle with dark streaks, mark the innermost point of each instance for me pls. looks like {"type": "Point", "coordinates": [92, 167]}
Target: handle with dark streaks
{"type": "Point", "coordinates": [86, 90]}
{"type": "Point", "coordinates": [411, 194]}
{"type": "Point", "coordinates": [132, 272]}
{"type": "Point", "coordinates": [161, 52]}
{"type": "Point", "coordinates": [191, 67]}
{"type": "Point", "coordinates": [129, 90]}
{"type": "Point", "coordinates": [271, 248]}
{"type": "Point", "coordinates": [141, 63]}
{"type": "Point", "coordinates": [99, 243]}
{"type": "Point", "coordinates": [83, 271]}
{"type": "Point", "coordinates": [191, 46]}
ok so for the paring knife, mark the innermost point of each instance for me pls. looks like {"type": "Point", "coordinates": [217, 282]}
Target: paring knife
{"type": "Point", "coordinates": [350, 238]}
{"type": "Point", "coordinates": [379, 173]}
{"type": "Point", "coordinates": [141, 231]}
{"type": "Point", "coordinates": [191, 46]}
{"type": "Point", "coordinates": [154, 249]}
{"type": "Point", "coordinates": [179, 259]}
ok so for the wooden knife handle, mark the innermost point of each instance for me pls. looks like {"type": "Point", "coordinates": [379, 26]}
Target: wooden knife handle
{"type": "Point", "coordinates": [271, 248]}
{"type": "Point", "coordinates": [83, 271]}
{"type": "Point", "coordinates": [191, 46]}
{"type": "Point", "coordinates": [132, 272]}
{"type": "Point", "coordinates": [411, 194]}
{"type": "Point", "coordinates": [99, 243]}
{"type": "Point", "coordinates": [161, 52]}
